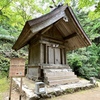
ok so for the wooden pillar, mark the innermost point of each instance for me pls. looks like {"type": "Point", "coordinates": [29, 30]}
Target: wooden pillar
{"type": "Point", "coordinates": [28, 54]}
{"type": "Point", "coordinates": [10, 88]}
{"type": "Point", "coordinates": [41, 53]}
{"type": "Point", "coordinates": [64, 56]}
{"type": "Point", "coordinates": [54, 54]}
{"type": "Point", "coordinates": [20, 89]}
{"type": "Point", "coordinates": [41, 61]}
{"type": "Point", "coordinates": [46, 54]}
{"type": "Point", "coordinates": [61, 56]}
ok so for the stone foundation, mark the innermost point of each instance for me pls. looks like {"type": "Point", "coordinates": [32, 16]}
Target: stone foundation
{"type": "Point", "coordinates": [29, 86]}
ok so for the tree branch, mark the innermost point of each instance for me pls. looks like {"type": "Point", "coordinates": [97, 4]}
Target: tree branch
{"type": "Point", "coordinates": [6, 5]}
{"type": "Point", "coordinates": [54, 3]}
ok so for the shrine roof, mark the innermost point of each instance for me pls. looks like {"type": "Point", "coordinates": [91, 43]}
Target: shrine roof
{"type": "Point", "coordinates": [64, 19]}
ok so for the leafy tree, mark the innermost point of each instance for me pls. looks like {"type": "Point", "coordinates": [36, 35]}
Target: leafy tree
{"type": "Point", "coordinates": [91, 4]}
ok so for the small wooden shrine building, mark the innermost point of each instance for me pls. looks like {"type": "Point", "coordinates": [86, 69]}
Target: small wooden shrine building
{"type": "Point", "coordinates": [49, 38]}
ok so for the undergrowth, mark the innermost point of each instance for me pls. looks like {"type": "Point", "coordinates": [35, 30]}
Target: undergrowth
{"type": "Point", "coordinates": [4, 86]}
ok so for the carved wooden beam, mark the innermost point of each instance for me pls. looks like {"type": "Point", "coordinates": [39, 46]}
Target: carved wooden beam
{"type": "Point", "coordinates": [70, 36]}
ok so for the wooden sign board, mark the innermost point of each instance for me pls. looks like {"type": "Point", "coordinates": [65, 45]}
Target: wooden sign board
{"type": "Point", "coordinates": [17, 67]}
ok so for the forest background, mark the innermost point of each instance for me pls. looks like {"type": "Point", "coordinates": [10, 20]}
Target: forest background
{"type": "Point", "coordinates": [85, 62]}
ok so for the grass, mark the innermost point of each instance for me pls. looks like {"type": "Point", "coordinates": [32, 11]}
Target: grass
{"type": "Point", "coordinates": [4, 86]}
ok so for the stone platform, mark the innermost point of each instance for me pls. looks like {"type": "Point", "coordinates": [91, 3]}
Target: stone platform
{"type": "Point", "coordinates": [28, 88]}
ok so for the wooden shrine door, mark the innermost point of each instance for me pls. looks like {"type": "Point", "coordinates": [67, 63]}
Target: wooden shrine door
{"type": "Point", "coordinates": [54, 55]}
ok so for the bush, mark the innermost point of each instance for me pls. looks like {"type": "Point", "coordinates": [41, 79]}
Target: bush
{"type": "Point", "coordinates": [3, 74]}
{"type": "Point", "coordinates": [4, 64]}
{"type": "Point", "coordinates": [85, 62]}
{"type": "Point", "coordinates": [88, 72]}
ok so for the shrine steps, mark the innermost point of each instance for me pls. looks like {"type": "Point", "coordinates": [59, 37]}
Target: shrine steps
{"type": "Point", "coordinates": [54, 77]}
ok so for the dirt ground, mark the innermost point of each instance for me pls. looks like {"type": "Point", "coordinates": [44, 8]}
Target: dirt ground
{"type": "Point", "coordinates": [91, 94]}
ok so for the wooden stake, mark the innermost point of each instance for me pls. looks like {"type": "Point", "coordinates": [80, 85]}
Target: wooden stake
{"type": "Point", "coordinates": [20, 89]}
{"type": "Point", "coordinates": [10, 88]}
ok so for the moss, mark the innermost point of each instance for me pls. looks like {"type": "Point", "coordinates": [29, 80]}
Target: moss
{"type": "Point", "coordinates": [70, 90]}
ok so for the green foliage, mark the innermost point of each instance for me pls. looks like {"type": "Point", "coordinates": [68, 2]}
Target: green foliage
{"type": "Point", "coordinates": [85, 62]}
{"type": "Point", "coordinates": [4, 86]}
{"type": "Point", "coordinates": [94, 15]}
{"type": "Point", "coordinates": [86, 72]}
{"type": "Point", "coordinates": [3, 74]}
{"type": "Point", "coordinates": [91, 27]}
{"type": "Point", "coordinates": [5, 35]}
{"type": "Point", "coordinates": [6, 53]}
{"type": "Point", "coordinates": [93, 6]}
{"type": "Point", "coordinates": [86, 3]}
{"type": "Point", "coordinates": [4, 64]}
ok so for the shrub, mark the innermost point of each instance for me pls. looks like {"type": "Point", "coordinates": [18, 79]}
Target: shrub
{"type": "Point", "coordinates": [85, 62]}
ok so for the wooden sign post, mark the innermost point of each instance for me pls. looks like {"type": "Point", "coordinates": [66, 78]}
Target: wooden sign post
{"type": "Point", "coordinates": [17, 69]}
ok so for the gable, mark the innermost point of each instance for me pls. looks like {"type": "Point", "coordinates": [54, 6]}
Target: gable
{"type": "Point", "coordinates": [54, 33]}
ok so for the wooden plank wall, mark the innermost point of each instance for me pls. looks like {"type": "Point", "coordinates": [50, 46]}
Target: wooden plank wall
{"type": "Point", "coordinates": [34, 54]}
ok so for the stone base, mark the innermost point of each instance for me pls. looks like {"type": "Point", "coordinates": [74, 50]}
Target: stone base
{"type": "Point", "coordinates": [29, 86]}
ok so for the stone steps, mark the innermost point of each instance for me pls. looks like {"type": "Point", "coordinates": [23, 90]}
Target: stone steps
{"type": "Point", "coordinates": [59, 73]}
{"type": "Point", "coordinates": [59, 76]}
{"type": "Point", "coordinates": [63, 81]}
